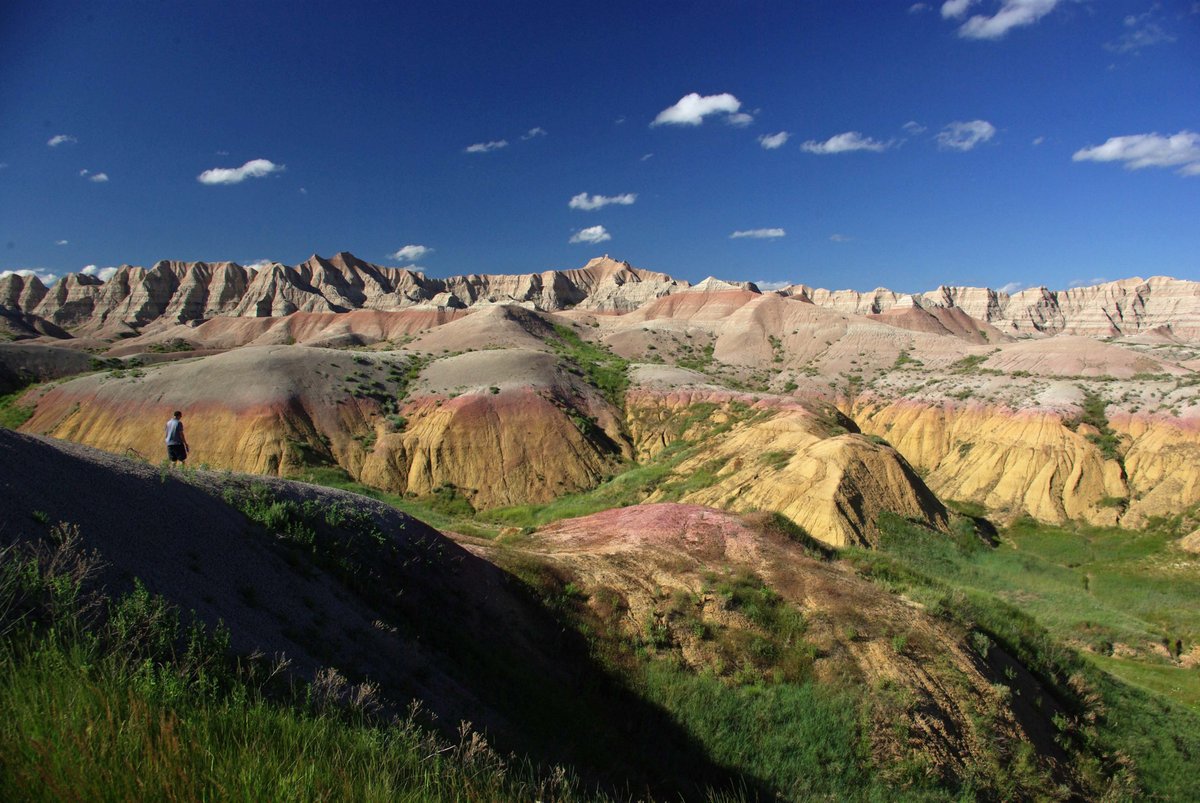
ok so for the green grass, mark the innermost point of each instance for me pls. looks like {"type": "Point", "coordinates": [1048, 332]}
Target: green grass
{"type": "Point", "coordinates": [1059, 599]}
{"type": "Point", "coordinates": [117, 699]}
{"type": "Point", "coordinates": [443, 510]}
{"type": "Point", "coordinates": [604, 370]}
{"type": "Point", "coordinates": [627, 488]}
{"type": "Point", "coordinates": [969, 364]}
{"type": "Point", "coordinates": [805, 741]}
{"type": "Point", "coordinates": [12, 414]}
{"type": "Point", "coordinates": [74, 731]}
{"type": "Point", "coordinates": [1093, 414]}
{"type": "Point", "coordinates": [170, 346]}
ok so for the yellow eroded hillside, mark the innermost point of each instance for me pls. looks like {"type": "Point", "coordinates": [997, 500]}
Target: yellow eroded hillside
{"type": "Point", "coordinates": [781, 456]}
{"type": "Point", "coordinates": [1041, 462]}
{"type": "Point", "coordinates": [501, 428]}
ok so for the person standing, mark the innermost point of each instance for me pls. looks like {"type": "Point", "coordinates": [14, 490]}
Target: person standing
{"type": "Point", "coordinates": [177, 446]}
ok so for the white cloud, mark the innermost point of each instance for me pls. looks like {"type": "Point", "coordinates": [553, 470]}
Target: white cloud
{"type": "Point", "coordinates": [258, 264]}
{"type": "Point", "coordinates": [740, 120]}
{"type": "Point", "coordinates": [1180, 150]}
{"type": "Point", "coordinates": [913, 127]}
{"type": "Point", "coordinates": [99, 178]}
{"type": "Point", "coordinates": [103, 274]}
{"type": "Point", "coordinates": [953, 9]}
{"type": "Point", "coordinates": [255, 168]}
{"type": "Point", "coordinates": [1011, 287]}
{"type": "Point", "coordinates": [304, 191]}
{"type": "Point", "coordinates": [586, 202]}
{"type": "Point", "coordinates": [772, 141]}
{"type": "Point", "coordinates": [768, 287]}
{"type": "Point", "coordinates": [960, 136]}
{"type": "Point", "coordinates": [691, 109]}
{"type": "Point", "coordinates": [845, 143]}
{"type": "Point", "coordinates": [61, 139]}
{"type": "Point", "coordinates": [487, 147]}
{"type": "Point", "coordinates": [592, 234]}
{"type": "Point", "coordinates": [918, 8]}
{"type": "Point", "coordinates": [46, 277]}
{"type": "Point", "coordinates": [620, 120]}
{"type": "Point", "coordinates": [1012, 14]}
{"type": "Point", "coordinates": [410, 253]}
{"type": "Point", "coordinates": [758, 234]}
{"type": "Point", "coordinates": [839, 238]}
{"type": "Point", "coordinates": [646, 156]}
{"type": "Point", "coordinates": [61, 242]}
{"type": "Point", "coordinates": [222, 153]}
{"type": "Point", "coordinates": [1038, 141]}
{"type": "Point", "coordinates": [536, 131]}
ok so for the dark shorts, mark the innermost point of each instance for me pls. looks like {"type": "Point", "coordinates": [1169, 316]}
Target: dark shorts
{"type": "Point", "coordinates": [175, 451]}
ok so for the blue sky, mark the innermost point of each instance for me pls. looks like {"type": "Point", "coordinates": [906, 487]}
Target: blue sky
{"type": "Point", "coordinates": [994, 142]}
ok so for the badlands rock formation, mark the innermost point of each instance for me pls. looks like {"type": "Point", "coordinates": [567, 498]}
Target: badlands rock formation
{"type": "Point", "coordinates": [831, 482]}
{"type": "Point", "coordinates": [183, 292]}
{"type": "Point", "coordinates": [1123, 307]}
{"type": "Point", "coordinates": [180, 292]}
{"type": "Point", "coordinates": [1080, 404]}
{"type": "Point", "coordinates": [522, 429]}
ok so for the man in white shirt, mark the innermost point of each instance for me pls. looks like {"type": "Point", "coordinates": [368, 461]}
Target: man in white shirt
{"type": "Point", "coordinates": [177, 447]}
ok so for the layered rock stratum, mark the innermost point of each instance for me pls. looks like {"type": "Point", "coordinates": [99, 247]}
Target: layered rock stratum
{"type": "Point", "coordinates": [1122, 307]}
{"type": "Point", "coordinates": [173, 292]}
{"type": "Point", "coordinates": [830, 406]}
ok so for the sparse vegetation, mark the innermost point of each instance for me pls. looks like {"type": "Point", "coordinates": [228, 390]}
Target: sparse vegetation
{"type": "Point", "coordinates": [973, 364]}
{"type": "Point", "coordinates": [701, 361]}
{"type": "Point", "coordinates": [1092, 413]}
{"type": "Point", "coordinates": [603, 369]}
{"type": "Point", "coordinates": [776, 459]}
{"type": "Point", "coordinates": [905, 358]}
{"type": "Point", "coordinates": [169, 346]}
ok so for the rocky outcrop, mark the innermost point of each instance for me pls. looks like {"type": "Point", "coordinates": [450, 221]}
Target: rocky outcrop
{"type": "Point", "coordinates": [1113, 309]}
{"type": "Point", "coordinates": [17, 325]}
{"type": "Point", "coordinates": [1191, 542]}
{"type": "Point", "coordinates": [71, 301]}
{"type": "Point", "coordinates": [21, 293]}
{"type": "Point", "coordinates": [1045, 463]}
{"type": "Point", "coordinates": [771, 454]}
{"type": "Point", "coordinates": [187, 292]}
{"type": "Point", "coordinates": [181, 292]}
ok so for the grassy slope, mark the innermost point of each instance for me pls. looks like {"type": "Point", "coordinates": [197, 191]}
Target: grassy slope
{"type": "Point", "coordinates": [118, 700]}
{"type": "Point", "coordinates": [12, 414]}
{"type": "Point", "coordinates": [1053, 594]}
{"type": "Point", "coordinates": [1091, 587]}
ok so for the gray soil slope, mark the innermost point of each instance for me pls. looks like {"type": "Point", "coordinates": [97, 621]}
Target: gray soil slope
{"type": "Point", "coordinates": [419, 615]}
